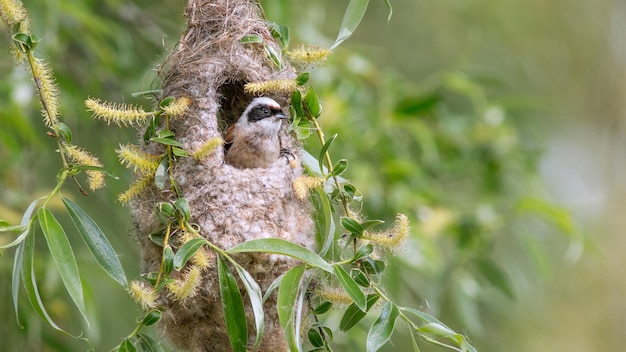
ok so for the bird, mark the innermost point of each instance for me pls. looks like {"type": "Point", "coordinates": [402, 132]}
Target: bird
{"type": "Point", "coordinates": [252, 142]}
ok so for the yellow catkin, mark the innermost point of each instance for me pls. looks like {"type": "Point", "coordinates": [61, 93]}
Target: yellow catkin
{"type": "Point", "coordinates": [48, 91]}
{"type": "Point", "coordinates": [95, 179]}
{"type": "Point", "coordinates": [309, 56]}
{"type": "Point", "coordinates": [187, 286]}
{"type": "Point", "coordinates": [142, 294]}
{"type": "Point", "coordinates": [337, 296]}
{"type": "Point", "coordinates": [12, 12]}
{"type": "Point", "coordinates": [131, 156]}
{"type": "Point", "coordinates": [303, 184]}
{"type": "Point", "coordinates": [120, 114]}
{"type": "Point", "coordinates": [177, 108]}
{"type": "Point", "coordinates": [207, 148]}
{"type": "Point", "coordinates": [394, 239]}
{"type": "Point", "coordinates": [275, 85]}
{"type": "Point", "coordinates": [134, 189]}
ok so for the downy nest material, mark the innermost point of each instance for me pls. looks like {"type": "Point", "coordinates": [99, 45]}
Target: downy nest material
{"type": "Point", "coordinates": [210, 66]}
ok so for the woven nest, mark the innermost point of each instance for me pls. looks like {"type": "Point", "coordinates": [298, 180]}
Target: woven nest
{"type": "Point", "coordinates": [210, 66]}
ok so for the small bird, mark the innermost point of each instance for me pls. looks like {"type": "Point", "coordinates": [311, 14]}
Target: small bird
{"type": "Point", "coordinates": [253, 141]}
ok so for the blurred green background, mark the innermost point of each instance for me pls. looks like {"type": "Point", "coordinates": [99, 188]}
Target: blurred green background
{"type": "Point", "coordinates": [495, 125]}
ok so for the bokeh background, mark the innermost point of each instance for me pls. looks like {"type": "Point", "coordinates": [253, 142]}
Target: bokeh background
{"type": "Point", "coordinates": [495, 125]}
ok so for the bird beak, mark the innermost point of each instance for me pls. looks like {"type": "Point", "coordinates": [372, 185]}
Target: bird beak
{"type": "Point", "coordinates": [281, 116]}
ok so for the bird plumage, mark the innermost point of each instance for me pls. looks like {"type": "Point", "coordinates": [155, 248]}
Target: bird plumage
{"type": "Point", "coordinates": [253, 142]}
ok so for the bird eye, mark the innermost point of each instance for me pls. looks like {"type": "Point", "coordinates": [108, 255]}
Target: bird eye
{"type": "Point", "coordinates": [266, 111]}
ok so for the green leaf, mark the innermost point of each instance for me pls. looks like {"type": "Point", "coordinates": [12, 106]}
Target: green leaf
{"type": "Point", "coordinates": [127, 346]}
{"type": "Point", "coordinates": [252, 38]}
{"type": "Point", "coordinates": [437, 329]}
{"type": "Point", "coordinates": [360, 278]}
{"type": "Point", "coordinates": [352, 226]}
{"type": "Point", "coordinates": [182, 205]}
{"type": "Point", "coordinates": [368, 224]}
{"type": "Point", "coordinates": [324, 150]}
{"type": "Point", "coordinates": [63, 257]}
{"type": "Point", "coordinates": [273, 286]}
{"type": "Point", "coordinates": [161, 178]}
{"type": "Point", "coordinates": [27, 272]}
{"type": "Point", "coordinates": [284, 247]}
{"type": "Point", "coordinates": [315, 338]}
{"type": "Point", "coordinates": [296, 102]}
{"type": "Point", "coordinates": [256, 300]}
{"type": "Point", "coordinates": [351, 19]}
{"type": "Point", "coordinates": [168, 260]}
{"type": "Point", "coordinates": [179, 151]}
{"type": "Point", "coordinates": [351, 287]}
{"type": "Point", "coordinates": [151, 318]}
{"type": "Point", "coordinates": [363, 251]}
{"type": "Point", "coordinates": [312, 102]}
{"type": "Point", "coordinates": [287, 294]}
{"type": "Point", "coordinates": [19, 257]}
{"type": "Point", "coordinates": [322, 308]}
{"type": "Point", "coordinates": [339, 167]}
{"type": "Point", "coordinates": [187, 251]}
{"type": "Point", "coordinates": [354, 314]}
{"type": "Point", "coordinates": [495, 275]}
{"type": "Point", "coordinates": [302, 79]}
{"type": "Point", "coordinates": [232, 304]}
{"type": "Point", "coordinates": [388, 3]}
{"type": "Point", "coordinates": [381, 330]}
{"type": "Point", "coordinates": [274, 56]}
{"type": "Point", "coordinates": [167, 141]}
{"type": "Point", "coordinates": [24, 225]}
{"type": "Point", "coordinates": [97, 242]}
{"type": "Point", "coordinates": [329, 233]}
{"type": "Point", "coordinates": [64, 131]}
{"type": "Point", "coordinates": [148, 344]}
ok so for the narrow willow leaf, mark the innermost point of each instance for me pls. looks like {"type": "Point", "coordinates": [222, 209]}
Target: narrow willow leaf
{"type": "Point", "coordinates": [296, 102]}
{"type": "Point", "coordinates": [496, 276]}
{"type": "Point", "coordinates": [182, 205]}
{"type": "Point", "coordinates": [363, 251]}
{"type": "Point", "coordinates": [381, 330]}
{"type": "Point", "coordinates": [371, 223]}
{"type": "Point", "coordinates": [232, 304]}
{"type": "Point", "coordinates": [339, 167]}
{"type": "Point", "coordinates": [322, 308]}
{"type": "Point", "coordinates": [64, 131]}
{"type": "Point", "coordinates": [315, 338]}
{"type": "Point", "coordinates": [127, 346]}
{"type": "Point", "coordinates": [302, 79]}
{"type": "Point", "coordinates": [414, 341]}
{"type": "Point", "coordinates": [256, 300]}
{"type": "Point", "coordinates": [436, 329]}
{"type": "Point", "coordinates": [63, 257]}
{"type": "Point", "coordinates": [352, 226]}
{"type": "Point", "coordinates": [161, 178]}
{"type": "Point", "coordinates": [324, 150]}
{"type": "Point", "coordinates": [167, 141]}
{"type": "Point", "coordinates": [24, 224]}
{"type": "Point", "coordinates": [252, 38]}
{"type": "Point", "coordinates": [274, 56]}
{"type": "Point", "coordinates": [354, 314]}
{"type": "Point", "coordinates": [18, 260]}
{"type": "Point", "coordinates": [151, 318]}
{"type": "Point", "coordinates": [97, 242]}
{"type": "Point", "coordinates": [351, 19]}
{"type": "Point", "coordinates": [312, 102]}
{"type": "Point", "coordinates": [388, 3]}
{"type": "Point", "coordinates": [168, 260]}
{"type": "Point", "coordinates": [30, 284]}
{"type": "Point", "coordinates": [15, 279]}
{"type": "Point", "coordinates": [329, 238]}
{"type": "Point", "coordinates": [284, 247]}
{"type": "Point", "coordinates": [351, 287]}
{"type": "Point", "coordinates": [287, 295]}
{"type": "Point", "coordinates": [148, 344]}
{"type": "Point", "coordinates": [187, 251]}
{"type": "Point", "coordinates": [273, 286]}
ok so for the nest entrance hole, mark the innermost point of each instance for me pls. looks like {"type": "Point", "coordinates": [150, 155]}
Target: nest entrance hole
{"type": "Point", "coordinates": [233, 101]}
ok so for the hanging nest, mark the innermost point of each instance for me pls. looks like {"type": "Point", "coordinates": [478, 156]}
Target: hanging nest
{"type": "Point", "coordinates": [210, 66]}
